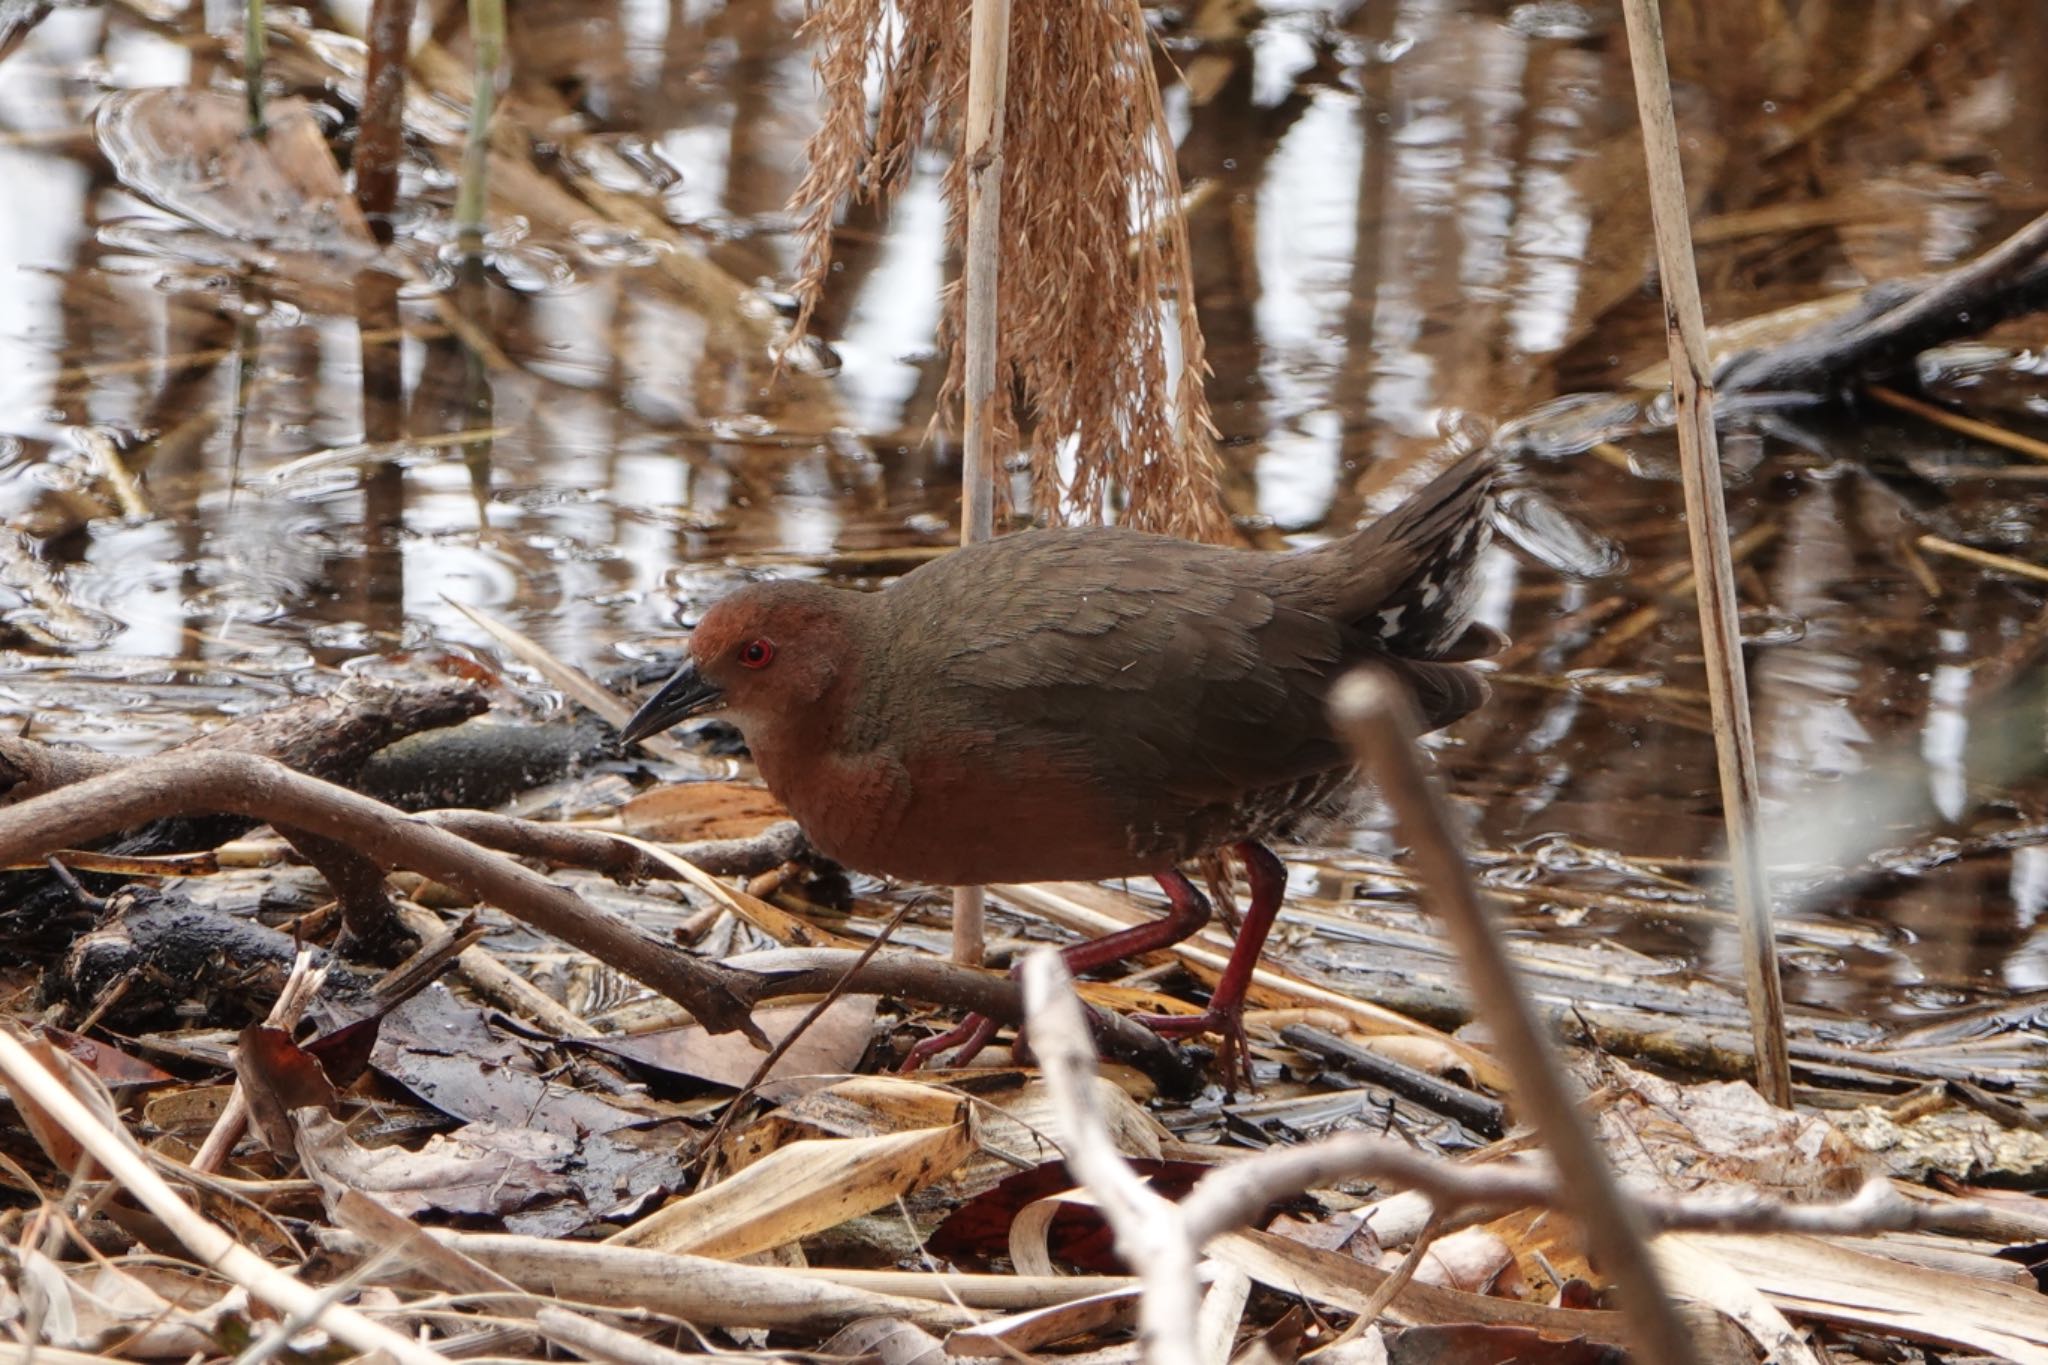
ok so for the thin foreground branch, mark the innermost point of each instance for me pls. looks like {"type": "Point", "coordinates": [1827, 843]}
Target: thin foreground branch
{"type": "Point", "coordinates": [1165, 1241]}
{"type": "Point", "coordinates": [1151, 1233]}
{"type": "Point", "coordinates": [1376, 720]}
{"type": "Point", "coordinates": [1234, 1196]}
{"type": "Point", "coordinates": [1713, 569]}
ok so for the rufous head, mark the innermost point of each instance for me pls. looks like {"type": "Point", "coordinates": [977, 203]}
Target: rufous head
{"type": "Point", "coordinates": [763, 656]}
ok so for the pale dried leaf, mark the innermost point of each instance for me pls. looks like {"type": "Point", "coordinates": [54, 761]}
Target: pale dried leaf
{"type": "Point", "coordinates": [97, 1305]}
{"type": "Point", "coordinates": [1369, 1347]}
{"type": "Point", "coordinates": [1962, 1143]}
{"type": "Point", "coordinates": [683, 812]}
{"type": "Point", "coordinates": [1692, 1271]}
{"type": "Point", "coordinates": [1685, 1137]}
{"type": "Point", "coordinates": [1222, 1312]}
{"type": "Point", "coordinates": [799, 1190]}
{"type": "Point", "coordinates": [1810, 1278]}
{"type": "Point", "coordinates": [1475, 1260]}
{"type": "Point", "coordinates": [1338, 1280]}
{"type": "Point", "coordinates": [1115, 1311]}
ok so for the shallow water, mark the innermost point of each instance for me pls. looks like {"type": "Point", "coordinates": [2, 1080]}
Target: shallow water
{"type": "Point", "coordinates": [1418, 210]}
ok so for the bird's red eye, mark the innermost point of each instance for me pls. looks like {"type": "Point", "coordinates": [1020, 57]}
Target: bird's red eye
{"type": "Point", "coordinates": [757, 653]}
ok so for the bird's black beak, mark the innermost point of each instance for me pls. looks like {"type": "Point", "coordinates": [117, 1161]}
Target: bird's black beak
{"type": "Point", "coordinates": [685, 695]}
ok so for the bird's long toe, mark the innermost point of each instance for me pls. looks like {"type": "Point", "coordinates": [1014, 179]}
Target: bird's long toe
{"type": "Point", "coordinates": [971, 1035]}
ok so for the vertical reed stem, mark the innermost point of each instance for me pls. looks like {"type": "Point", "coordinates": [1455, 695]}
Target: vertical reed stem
{"type": "Point", "coordinates": [380, 136]}
{"type": "Point", "coordinates": [252, 66]}
{"type": "Point", "coordinates": [487, 39]}
{"type": "Point", "coordinates": [1706, 522]}
{"type": "Point", "coordinates": [987, 78]}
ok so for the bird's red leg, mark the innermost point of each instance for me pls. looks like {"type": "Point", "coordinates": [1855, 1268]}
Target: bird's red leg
{"type": "Point", "coordinates": [1187, 912]}
{"type": "Point", "coordinates": [1225, 1015]}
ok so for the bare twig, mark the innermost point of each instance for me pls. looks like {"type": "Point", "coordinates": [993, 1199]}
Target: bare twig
{"type": "Point", "coordinates": [1164, 1240]}
{"type": "Point", "coordinates": [1234, 1196]}
{"type": "Point", "coordinates": [1706, 524]}
{"type": "Point", "coordinates": [1152, 1234]}
{"type": "Point", "coordinates": [934, 981]}
{"type": "Point", "coordinates": [603, 851]}
{"type": "Point", "coordinates": [1376, 720]}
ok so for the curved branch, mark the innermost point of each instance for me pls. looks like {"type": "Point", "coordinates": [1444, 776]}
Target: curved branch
{"type": "Point", "coordinates": [263, 789]}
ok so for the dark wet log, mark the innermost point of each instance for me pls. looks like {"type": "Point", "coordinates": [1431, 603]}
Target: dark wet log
{"type": "Point", "coordinates": [171, 961]}
{"type": "Point", "coordinates": [485, 762]}
{"type": "Point", "coordinates": [1895, 322]}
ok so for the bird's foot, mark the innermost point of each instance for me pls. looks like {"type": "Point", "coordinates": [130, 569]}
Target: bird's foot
{"type": "Point", "coordinates": [1226, 1022]}
{"type": "Point", "coordinates": [971, 1036]}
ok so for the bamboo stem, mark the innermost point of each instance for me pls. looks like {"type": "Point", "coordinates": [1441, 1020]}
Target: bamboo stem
{"type": "Point", "coordinates": [487, 39]}
{"type": "Point", "coordinates": [1706, 522]}
{"type": "Point", "coordinates": [987, 79]}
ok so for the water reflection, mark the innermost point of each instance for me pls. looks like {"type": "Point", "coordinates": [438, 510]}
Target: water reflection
{"type": "Point", "coordinates": [1407, 211]}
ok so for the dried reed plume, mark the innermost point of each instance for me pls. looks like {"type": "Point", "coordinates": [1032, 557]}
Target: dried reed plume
{"type": "Point", "coordinates": [1094, 245]}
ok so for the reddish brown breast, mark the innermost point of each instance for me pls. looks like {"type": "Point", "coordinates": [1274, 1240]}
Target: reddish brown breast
{"type": "Point", "coordinates": [958, 815]}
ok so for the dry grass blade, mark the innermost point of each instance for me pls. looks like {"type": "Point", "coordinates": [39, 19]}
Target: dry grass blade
{"type": "Point", "coordinates": [213, 1247]}
{"type": "Point", "coordinates": [1986, 432]}
{"type": "Point", "coordinates": [1706, 525]}
{"type": "Point", "coordinates": [696, 1289]}
{"type": "Point", "coordinates": [1983, 559]}
{"type": "Point", "coordinates": [575, 684]}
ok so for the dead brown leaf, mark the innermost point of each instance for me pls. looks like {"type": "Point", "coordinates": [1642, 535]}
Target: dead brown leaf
{"type": "Point", "coordinates": [688, 811]}
{"type": "Point", "coordinates": [833, 1045]}
{"type": "Point", "coordinates": [479, 1169]}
